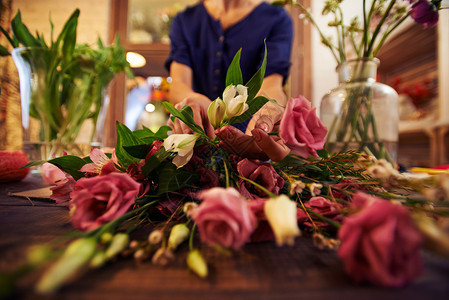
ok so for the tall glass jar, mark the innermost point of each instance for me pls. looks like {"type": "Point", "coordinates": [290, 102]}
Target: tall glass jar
{"type": "Point", "coordinates": [63, 109]}
{"type": "Point", "coordinates": [361, 114]}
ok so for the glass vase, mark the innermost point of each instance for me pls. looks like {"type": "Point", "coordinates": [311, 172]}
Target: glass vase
{"type": "Point", "coordinates": [361, 114]}
{"type": "Point", "coordinates": [63, 106]}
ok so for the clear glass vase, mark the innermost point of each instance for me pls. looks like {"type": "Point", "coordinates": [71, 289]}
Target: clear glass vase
{"type": "Point", "coordinates": [361, 114]}
{"type": "Point", "coordinates": [63, 106]}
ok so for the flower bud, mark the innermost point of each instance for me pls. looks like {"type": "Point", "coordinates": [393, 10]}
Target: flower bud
{"type": "Point", "coordinates": [98, 260]}
{"type": "Point", "coordinates": [188, 207]}
{"type": "Point", "coordinates": [119, 242]}
{"type": "Point", "coordinates": [162, 256]}
{"type": "Point", "coordinates": [216, 112]}
{"type": "Point", "coordinates": [196, 263]}
{"type": "Point", "coordinates": [155, 237]}
{"type": "Point", "coordinates": [281, 214]}
{"type": "Point", "coordinates": [178, 234]}
{"type": "Point", "coordinates": [75, 257]}
{"type": "Point", "coordinates": [235, 98]}
{"type": "Point", "coordinates": [106, 238]}
{"type": "Point", "coordinates": [38, 254]}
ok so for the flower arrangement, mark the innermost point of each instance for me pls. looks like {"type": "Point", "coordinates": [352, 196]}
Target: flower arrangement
{"type": "Point", "coordinates": [66, 83]}
{"type": "Point", "coordinates": [347, 202]}
{"type": "Point", "coordinates": [353, 125]}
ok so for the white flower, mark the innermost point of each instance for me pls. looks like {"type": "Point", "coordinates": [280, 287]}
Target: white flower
{"type": "Point", "coordinates": [315, 188]}
{"type": "Point", "coordinates": [216, 112]}
{"type": "Point", "coordinates": [281, 214]}
{"type": "Point", "coordinates": [297, 186]}
{"type": "Point", "coordinates": [235, 99]}
{"type": "Point", "coordinates": [182, 144]}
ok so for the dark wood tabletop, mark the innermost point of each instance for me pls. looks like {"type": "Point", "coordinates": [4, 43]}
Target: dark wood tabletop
{"type": "Point", "coordinates": [258, 271]}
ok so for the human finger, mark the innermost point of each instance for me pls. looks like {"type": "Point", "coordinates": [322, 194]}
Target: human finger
{"type": "Point", "coordinates": [235, 141]}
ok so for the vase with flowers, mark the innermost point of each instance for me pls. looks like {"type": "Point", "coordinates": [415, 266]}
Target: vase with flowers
{"type": "Point", "coordinates": [361, 113]}
{"type": "Point", "coordinates": [62, 86]}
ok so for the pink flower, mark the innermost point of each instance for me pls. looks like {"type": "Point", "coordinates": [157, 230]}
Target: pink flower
{"type": "Point", "coordinates": [51, 173]}
{"type": "Point", "coordinates": [425, 12]}
{"type": "Point", "coordinates": [263, 231]}
{"type": "Point", "coordinates": [301, 129]}
{"type": "Point", "coordinates": [261, 173]}
{"type": "Point", "coordinates": [62, 189]}
{"type": "Point", "coordinates": [208, 178]}
{"type": "Point", "coordinates": [100, 199]}
{"type": "Point", "coordinates": [224, 218]}
{"type": "Point", "coordinates": [101, 164]}
{"type": "Point", "coordinates": [380, 244]}
{"type": "Point", "coordinates": [322, 206]}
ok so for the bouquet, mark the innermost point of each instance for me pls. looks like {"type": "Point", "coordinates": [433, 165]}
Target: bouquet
{"type": "Point", "coordinates": [191, 189]}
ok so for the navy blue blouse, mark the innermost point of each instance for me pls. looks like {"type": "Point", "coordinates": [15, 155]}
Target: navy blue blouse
{"type": "Point", "coordinates": [198, 41]}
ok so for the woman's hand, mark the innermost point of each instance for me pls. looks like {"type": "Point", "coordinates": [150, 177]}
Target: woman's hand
{"type": "Point", "coordinates": [199, 106]}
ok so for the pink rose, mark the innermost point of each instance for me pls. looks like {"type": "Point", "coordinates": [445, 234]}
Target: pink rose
{"type": "Point", "coordinates": [224, 218]}
{"type": "Point", "coordinates": [380, 244]}
{"type": "Point", "coordinates": [100, 199]}
{"type": "Point", "coordinates": [322, 206]}
{"type": "Point", "coordinates": [301, 129]}
{"type": "Point", "coordinates": [263, 232]}
{"type": "Point", "coordinates": [261, 173]}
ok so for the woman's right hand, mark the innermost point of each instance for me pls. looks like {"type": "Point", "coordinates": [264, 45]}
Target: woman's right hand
{"type": "Point", "coordinates": [199, 105]}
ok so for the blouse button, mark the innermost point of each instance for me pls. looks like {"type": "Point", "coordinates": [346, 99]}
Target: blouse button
{"type": "Point", "coordinates": [215, 88]}
{"type": "Point", "coordinates": [217, 71]}
{"type": "Point", "coordinates": [221, 38]}
{"type": "Point", "coordinates": [219, 53]}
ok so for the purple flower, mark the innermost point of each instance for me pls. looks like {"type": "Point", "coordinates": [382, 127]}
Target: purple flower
{"type": "Point", "coordinates": [425, 12]}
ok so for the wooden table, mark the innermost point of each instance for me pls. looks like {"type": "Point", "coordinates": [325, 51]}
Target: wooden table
{"type": "Point", "coordinates": [258, 271]}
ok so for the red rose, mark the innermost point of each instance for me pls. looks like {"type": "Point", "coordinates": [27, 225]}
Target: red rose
{"type": "Point", "coordinates": [322, 206]}
{"type": "Point", "coordinates": [100, 199]}
{"type": "Point", "coordinates": [380, 244]}
{"type": "Point", "coordinates": [301, 129]}
{"type": "Point", "coordinates": [261, 173]}
{"type": "Point", "coordinates": [224, 218]}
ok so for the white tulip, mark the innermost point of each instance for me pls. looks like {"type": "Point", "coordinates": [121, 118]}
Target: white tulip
{"type": "Point", "coordinates": [235, 99]}
{"type": "Point", "coordinates": [216, 112]}
{"type": "Point", "coordinates": [281, 214]}
{"type": "Point", "coordinates": [183, 145]}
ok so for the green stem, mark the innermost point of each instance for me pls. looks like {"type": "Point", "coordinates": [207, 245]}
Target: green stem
{"type": "Point", "coordinates": [388, 32]}
{"type": "Point", "coordinates": [378, 28]}
{"type": "Point", "coordinates": [191, 237]}
{"type": "Point", "coordinates": [323, 218]}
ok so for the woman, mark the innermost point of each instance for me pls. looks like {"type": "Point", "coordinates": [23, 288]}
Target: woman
{"type": "Point", "coordinates": [204, 39]}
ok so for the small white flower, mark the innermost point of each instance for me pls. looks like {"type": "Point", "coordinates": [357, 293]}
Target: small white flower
{"type": "Point", "coordinates": [281, 214]}
{"type": "Point", "coordinates": [297, 186]}
{"type": "Point", "coordinates": [216, 112]}
{"type": "Point", "coordinates": [155, 237]}
{"type": "Point", "coordinates": [315, 188]}
{"type": "Point", "coordinates": [188, 207]}
{"type": "Point", "coordinates": [235, 98]}
{"type": "Point", "coordinates": [182, 144]}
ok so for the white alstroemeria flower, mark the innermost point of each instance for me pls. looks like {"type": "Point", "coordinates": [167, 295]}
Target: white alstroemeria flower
{"type": "Point", "coordinates": [235, 99]}
{"type": "Point", "coordinates": [182, 144]}
{"type": "Point", "coordinates": [281, 214]}
{"type": "Point", "coordinates": [216, 112]}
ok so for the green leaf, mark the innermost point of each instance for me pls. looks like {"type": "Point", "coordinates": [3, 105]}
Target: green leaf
{"type": "Point", "coordinates": [33, 163]}
{"type": "Point", "coordinates": [254, 105]}
{"type": "Point", "coordinates": [234, 74]}
{"type": "Point", "coordinates": [12, 41]}
{"type": "Point", "coordinates": [154, 161]}
{"type": "Point", "coordinates": [125, 137]}
{"type": "Point", "coordinates": [70, 164]}
{"type": "Point", "coordinates": [149, 136]}
{"type": "Point", "coordinates": [138, 151]}
{"type": "Point", "coordinates": [21, 32]}
{"type": "Point", "coordinates": [323, 153]}
{"type": "Point", "coordinates": [4, 51]}
{"type": "Point", "coordinates": [172, 179]}
{"type": "Point", "coordinates": [255, 82]}
{"type": "Point", "coordinates": [68, 34]}
{"type": "Point", "coordinates": [185, 115]}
